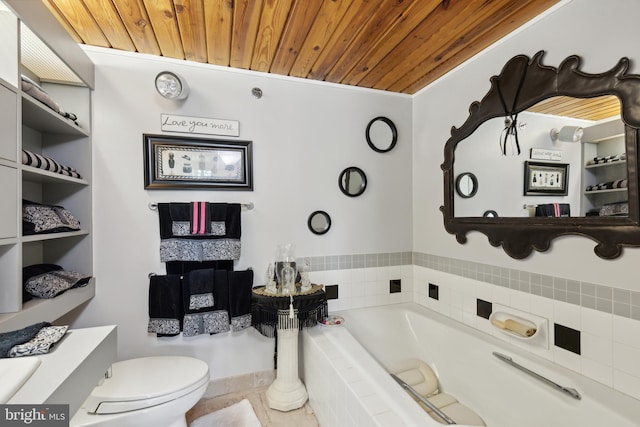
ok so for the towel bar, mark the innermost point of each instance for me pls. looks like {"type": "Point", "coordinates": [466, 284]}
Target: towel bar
{"type": "Point", "coordinates": [570, 391]}
{"type": "Point", "coordinates": [247, 206]}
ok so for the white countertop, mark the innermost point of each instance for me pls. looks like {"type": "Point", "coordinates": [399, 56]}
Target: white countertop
{"type": "Point", "coordinates": [72, 369]}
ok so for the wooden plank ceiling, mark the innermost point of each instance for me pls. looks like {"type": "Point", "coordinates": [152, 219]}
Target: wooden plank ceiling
{"type": "Point", "coordinates": [601, 107]}
{"type": "Point", "coordinates": [393, 45]}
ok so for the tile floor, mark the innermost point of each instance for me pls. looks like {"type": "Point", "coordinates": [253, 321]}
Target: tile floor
{"type": "Point", "coordinates": [268, 417]}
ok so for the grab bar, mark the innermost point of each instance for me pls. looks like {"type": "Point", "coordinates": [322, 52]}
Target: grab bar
{"type": "Point", "coordinates": [422, 399]}
{"type": "Point", "coordinates": [570, 391]}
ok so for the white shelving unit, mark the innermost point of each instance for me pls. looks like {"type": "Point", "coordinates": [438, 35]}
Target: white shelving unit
{"type": "Point", "coordinates": [68, 374]}
{"type": "Point", "coordinates": [29, 124]}
{"type": "Point", "coordinates": [603, 139]}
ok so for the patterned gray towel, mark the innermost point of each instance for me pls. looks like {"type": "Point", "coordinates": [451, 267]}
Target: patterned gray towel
{"type": "Point", "coordinates": [21, 336]}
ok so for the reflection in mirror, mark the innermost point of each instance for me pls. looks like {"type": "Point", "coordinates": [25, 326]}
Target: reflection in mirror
{"type": "Point", "coordinates": [602, 187]}
{"type": "Point", "coordinates": [466, 185]}
{"type": "Point", "coordinates": [381, 134]}
{"type": "Point", "coordinates": [597, 173]}
{"type": "Point", "coordinates": [352, 181]}
{"type": "Point", "coordinates": [319, 222]}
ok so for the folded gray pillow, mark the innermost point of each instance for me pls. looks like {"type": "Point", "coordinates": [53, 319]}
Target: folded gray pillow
{"type": "Point", "coordinates": [53, 283]}
{"type": "Point", "coordinates": [41, 343]}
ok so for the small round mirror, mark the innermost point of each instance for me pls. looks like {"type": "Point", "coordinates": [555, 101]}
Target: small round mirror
{"type": "Point", "coordinates": [466, 185]}
{"type": "Point", "coordinates": [319, 222]}
{"type": "Point", "coordinates": [490, 214]}
{"type": "Point", "coordinates": [352, 181]}
{"type": "Point", "coordinates": [382, 134]}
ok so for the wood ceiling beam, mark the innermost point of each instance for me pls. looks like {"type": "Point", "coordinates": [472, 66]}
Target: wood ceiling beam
{"type": "Point", "coordinates": [163, 19]}
{"type": "Point", "coordinates": [110, 24]}
{"type": "Point", "coordinates": [274, 18]}
{"type": "Point", "coordinates": [246, 20]}
{"type": "Point", "coordinates": [81, 20]}
{"type": "Point", "coordinates": [218, 23]}
{"type": "Point", "coordinates": [63, 21]}
{"type": "Point", "coordinates": [444, 32]}
{"type": "Point", "coordinates": [367, 37]}
{"type": "Point", "coordinates": [301, 17]}
{"type": "Point", "coordinates": [422, 75]}
{"type": "Point", "coordinates": [390, 38]}
{"type": "Point", "coordinates": [135, 19]}
{"type": "Point", "coordinates": [355, 20]}
{"type": "Point", "coordinates": [190, 16]}
{"type": "Point", "coordinates": [328, 19]}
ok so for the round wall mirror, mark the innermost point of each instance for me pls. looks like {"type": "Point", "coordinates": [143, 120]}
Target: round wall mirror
{"type": "Point", "coordinates": [319, 222]}
{"type": "Point", "coordinates": [466, 185]}
{"type": "Point", "coordinates": [352, 181]}
{"type": "Point", "coordinates": [382, 134]}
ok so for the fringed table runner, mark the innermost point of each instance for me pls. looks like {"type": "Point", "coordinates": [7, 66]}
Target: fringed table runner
{"type": "Point", "coordinates": [272, 311]}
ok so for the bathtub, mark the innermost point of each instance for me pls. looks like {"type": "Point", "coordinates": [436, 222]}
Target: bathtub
{"type": "Point", "coordinates": [346, 369]}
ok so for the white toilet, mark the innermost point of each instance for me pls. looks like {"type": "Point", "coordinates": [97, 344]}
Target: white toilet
{"type": "Point", "coordinates": [145, 392]}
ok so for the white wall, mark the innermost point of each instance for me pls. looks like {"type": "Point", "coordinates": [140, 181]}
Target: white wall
{"type": "Point", "coordinates": [601, 35]}
{"type": "Point", "coordinates": [304, 134]}
{"type": "Point", "coordinates": [500, 177]}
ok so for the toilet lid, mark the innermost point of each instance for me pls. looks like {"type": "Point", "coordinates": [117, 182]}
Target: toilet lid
{"type": "Point", "coordinates": [146, 381]}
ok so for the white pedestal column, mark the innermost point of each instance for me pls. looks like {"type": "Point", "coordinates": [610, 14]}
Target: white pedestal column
{"type": "Point", "coordinates": [287, 391]}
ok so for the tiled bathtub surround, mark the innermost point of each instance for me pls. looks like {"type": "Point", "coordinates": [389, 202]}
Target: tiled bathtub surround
{"type": "Point", "coordinates": [609, 348]}
{"type": "Point", "coordinates": [621, 302]}
{"type": "Point", "coordinates": [607, 318]}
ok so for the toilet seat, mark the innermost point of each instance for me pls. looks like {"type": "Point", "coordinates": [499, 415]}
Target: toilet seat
{"type": "Point", "coordinates": [145, 382]}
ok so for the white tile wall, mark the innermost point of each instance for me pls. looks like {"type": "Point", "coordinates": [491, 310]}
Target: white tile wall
{"type": "Point", "coordinates": [365, 287]}
{"type": "Point", "coordinates": [338, 391]}
{"type": "Point", "coordinates": [610, 344]}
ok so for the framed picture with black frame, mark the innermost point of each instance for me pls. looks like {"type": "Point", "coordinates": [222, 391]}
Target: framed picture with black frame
{"type": "Point", "coordinates": [196, 163]}
{"type": "Point", "coordinates": [545, 179]}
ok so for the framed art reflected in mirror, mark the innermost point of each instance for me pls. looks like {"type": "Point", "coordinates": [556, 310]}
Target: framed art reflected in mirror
{"type": "Point", "coordinates": [543, 179]}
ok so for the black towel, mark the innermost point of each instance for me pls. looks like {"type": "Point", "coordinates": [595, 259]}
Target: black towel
{"type": "Point", "coordinates": [219, 321]}
{"type": "Point", "coordinates": [553, 210]}
{"type": "Point", "coordinates": [240, 285]}
{"type": "Point", "coordinates": [165, 305]}
{"type": "Point", "coordinates": [199, 289]}
{"type": "Point", "coordinates": [175, 220]}
{"type": "Point", "coordinates": [200, 316]}
{"type": "Point", "coordinates": [21, 336]}
{"type": "Point", "coordinates": [177, 244]}
{"type": "Point", "coordinates": [184, 267]}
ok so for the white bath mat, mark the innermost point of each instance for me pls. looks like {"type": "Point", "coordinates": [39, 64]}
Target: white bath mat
{"type": "Point", "coordinates": [240, 414]}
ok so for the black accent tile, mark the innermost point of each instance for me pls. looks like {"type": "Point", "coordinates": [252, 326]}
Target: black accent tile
{"type": "Point", "coordinates": [483, 308]}
{"type": "Point", "coordinates": [433, 291]}
{"type": "Point", "coordinates": [331, 291]}
{"type": "Point", "coordinates": [567, 338]}
{"type": "Point", "coordinates": [395, 286]}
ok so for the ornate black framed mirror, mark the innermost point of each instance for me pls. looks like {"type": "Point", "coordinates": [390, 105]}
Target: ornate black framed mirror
{"type": "Point", "coordinates": [319, 222]}
{"type": "Point", "coordinates": [524, 83]}
{"type": "Point", "coordinates": [466, 185]}
{"type": "Point", "coordinates": [352, 181]}
{"type": "Point", "coordinates": [382, 134]}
